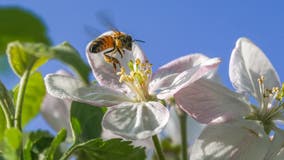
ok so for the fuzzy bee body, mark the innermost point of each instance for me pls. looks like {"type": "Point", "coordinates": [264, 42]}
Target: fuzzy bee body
{"type": "Point", "coordinates": [111, 44]}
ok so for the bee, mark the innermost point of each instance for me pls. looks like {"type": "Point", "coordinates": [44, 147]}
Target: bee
{"type": "Point", "coordinates": [110, 45]}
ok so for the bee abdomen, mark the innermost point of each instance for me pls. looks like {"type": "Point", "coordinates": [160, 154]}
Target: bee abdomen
{"type": "Point", "coordinates": [101, 44]}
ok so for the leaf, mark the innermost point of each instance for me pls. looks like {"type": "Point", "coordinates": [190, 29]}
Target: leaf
{"type": "Point", "coordinates": [36, 144]}
{"type": "Point", "coordinates": [85, 121]}
{"type": "Point", "coordinates": [117, 149]}
{"type": "Point", "coordinates": [12, 142]}
{"type": "Point", "coordinates": [2, 124]}
{"type": "Point", "coordinates": [60, 137]}
{"type": "Point", "coordinates": [34, 95]}
{"type": "Point", "coordinates": [70, 56]}
{"type": "Point", "coordinates": [22, 25]}
{"type": "Point", "coordinates": [6, 101]}
{"type": "Point", "coordinates": [6, 106]}
{"type": "Point", "coordinates": [27, 56]}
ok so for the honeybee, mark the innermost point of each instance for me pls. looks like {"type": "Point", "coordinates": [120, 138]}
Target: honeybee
{"type": "Point", "coordinates": [111, 44]}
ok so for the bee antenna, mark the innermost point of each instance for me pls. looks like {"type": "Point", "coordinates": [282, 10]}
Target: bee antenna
{"type": "Point", "coordinates": [137, 40]}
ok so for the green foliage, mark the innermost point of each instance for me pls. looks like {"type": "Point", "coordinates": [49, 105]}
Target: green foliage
{"type": "Point", "coordinates": [12, 143]}
{"type": "Point", "coordinates": [30, 56]}
{"type": "Point", "coordinates": [70, 56]}
{"type": "Point", "coordinates": [51, 151]}
{"type": "Point", "coordinates": [97, 149]}
{"type": "Point", "coordinates": [34, 95]}
{"type": "Point", "coordinates": [6, 109]}
{"type": "Point", "coordinates": [21, 25]}
{"type": "Point", "coordinates": [26, 56]}
{"type": "Point", "coordinates": [37, 145]}
{"type": "Point", "coordinates": [2, 124]}
{"type": "Point", "coordinates": [86, 121]}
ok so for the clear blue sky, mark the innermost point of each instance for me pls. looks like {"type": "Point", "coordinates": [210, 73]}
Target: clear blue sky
{"type": "Point", "coordinates": [170, 28]}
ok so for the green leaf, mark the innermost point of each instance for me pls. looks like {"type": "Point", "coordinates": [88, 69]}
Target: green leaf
{"type": "Point", "coordinates": [6, 110]}
{"type": "Point", "coordinates": [34, 95]}
{"type": "Point", "coordinates": [85, 121]}
{"type": "Point", "coordinates": [97, 149]}
{"type": "Point", "coordinates": [60, 137]}
{"type": "Point", "coordinates": [36, 144]}
{"type": "Point", "coordinates": [27, 56]}
{"type": "Point", "coordinates": [70, 56]}
{"type": "Point", "coordinates": [6, 105]}
{"type": "Point", "coordinates": [22, 25]}
{"type": "Point", "coordinates": [2, 124]}
{"type": "Point", "coordinates": [12, 142]}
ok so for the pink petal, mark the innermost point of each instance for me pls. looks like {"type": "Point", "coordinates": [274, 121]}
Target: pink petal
{"type": "Point", "coordinates": [235, 140]}
{"type": "Point", "coordinates": [208, 101]}
{"type": "Point", "coordinates": [247, 64]}
{"type": "Point", "coordinates": [189, 76]}
{"type": "Point", "coordinates": [104, 72]}
{"type": "Point", "coordinates": [166, 74]}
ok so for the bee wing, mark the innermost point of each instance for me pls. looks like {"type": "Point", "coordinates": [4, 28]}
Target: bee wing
{"type": "Point", "coordinates": [91, 31]}
{"type": "Point", "coordinates": [106, 19]}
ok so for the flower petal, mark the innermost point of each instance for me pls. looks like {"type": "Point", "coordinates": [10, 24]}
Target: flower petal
{"type": "Point", "coordinates": [66, 87]}
{"type": "Point", "coordinates": [233, 140]}
{"type": "Point", "coordinates": [165, 75]}
{"type": "Point", "coordinates": [104, 72]}
{"type": "Point", "coordinates": [247, 64]}
{"type": "Point", "coordinates": [189, 76]}
{"type": "Point", "coordinates": [136, 120]}
{"type": "Point", "coordinates": [276, 150]}
{"type": "Point", "coordinates": [209, 102]}
{"type": "Point", "coordinates": [57, 113]}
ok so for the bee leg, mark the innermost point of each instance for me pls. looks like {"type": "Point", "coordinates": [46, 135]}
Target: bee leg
{"type": "Point", "coordinates": [121, 52]}
{"type": "Point", "coordinates": [114, 61]}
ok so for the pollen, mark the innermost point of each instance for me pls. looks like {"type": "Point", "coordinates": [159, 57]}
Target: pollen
{"type": "Point", "coordinates": [138, 77]}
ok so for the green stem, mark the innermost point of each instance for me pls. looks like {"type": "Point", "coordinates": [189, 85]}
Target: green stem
{"type": "Point", "coordinates": [69, 152]}
{"type": "Point", "coordinates": [20, 99]}
{"type": "Point", "coordinates": [183, 130]}
{"type": "Point", "coordinates": [158, 148]}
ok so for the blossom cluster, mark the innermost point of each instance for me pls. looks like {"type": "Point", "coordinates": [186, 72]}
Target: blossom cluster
{"type": "Point", "coordinates": [139, 100]}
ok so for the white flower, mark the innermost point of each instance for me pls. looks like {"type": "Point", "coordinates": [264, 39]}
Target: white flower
{"type": "Point", "coordinates": [238, 129]}
{"type": "Point", "coordinates": [135, 96]}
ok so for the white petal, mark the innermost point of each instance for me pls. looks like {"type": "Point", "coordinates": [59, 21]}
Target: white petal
{"type": "Point", "coordinates": [236, 140]}
{"type": "Point", "coordinates": [173, 128]}
{"type": "Point", "coordinates": [208, 101]}
{"type": "Point", "coordinates": [147, 143]}
{"type": "Point", "coordinates": [189, 76]}
{"type": "Point", "coordinates": [276, 150]}
{"type": "Point", "coordinates": [165, 75]}
{"type": "Point", "coordinates": [57, 113]}
{"type": "Point", "coordinates": [136, 120]}
{"type": "Point", "coordinates": [247, 64]}
{"type": "Point", "coordinates": [66, 87]}
{"type": "Point", "coordinates": [104, 72]}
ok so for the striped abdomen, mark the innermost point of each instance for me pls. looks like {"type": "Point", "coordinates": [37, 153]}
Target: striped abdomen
{"type": "Point", "coordinates": [101, 44]}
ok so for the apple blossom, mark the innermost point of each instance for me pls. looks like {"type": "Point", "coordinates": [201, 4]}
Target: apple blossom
{"type": "Point", "coordinates": [136, 97]}
{"type": "Point", "coordinates": [238, 129]}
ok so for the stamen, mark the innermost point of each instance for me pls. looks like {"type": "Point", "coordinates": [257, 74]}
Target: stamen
{"type": "Point", "coordinates": [138, 78]}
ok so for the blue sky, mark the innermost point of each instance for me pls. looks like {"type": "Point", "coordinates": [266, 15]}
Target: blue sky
{"type": "Point", "coordinates": [170, 28]}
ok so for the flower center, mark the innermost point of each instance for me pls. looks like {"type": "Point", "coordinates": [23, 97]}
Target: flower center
{"type": "Point", "coordinates": [138, 78]}
{"type": "Point", "coordinates": [270, 96]}
{"type": "Point", "coordinates": [271, 105]}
